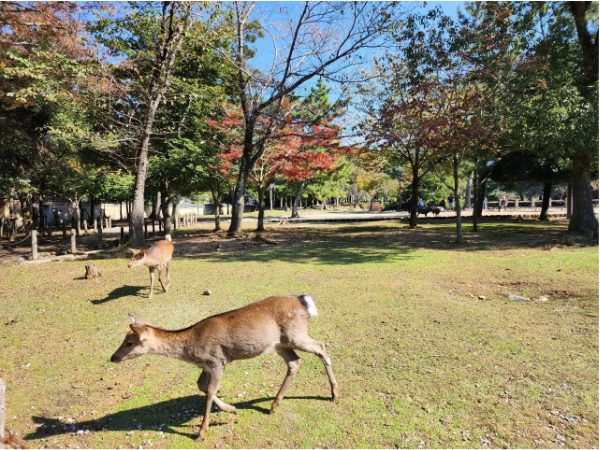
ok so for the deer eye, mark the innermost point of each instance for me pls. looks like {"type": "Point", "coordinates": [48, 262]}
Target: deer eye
{"type": "Point", "coordinates": [129, 344]}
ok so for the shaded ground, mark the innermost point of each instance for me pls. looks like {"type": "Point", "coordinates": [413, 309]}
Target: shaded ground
{"type": "Point", "coordinates": [427, 349]}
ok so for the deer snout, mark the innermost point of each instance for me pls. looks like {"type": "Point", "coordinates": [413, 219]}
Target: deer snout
{"type": "Point", "coordinates": [114, 358]}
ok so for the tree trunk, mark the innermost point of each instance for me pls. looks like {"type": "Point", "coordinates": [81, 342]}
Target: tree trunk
{"type": "Point", "coordinates": [297, 200]}
{"type": "Point", "coordinates": [457, 206]}
{"type": "Point", "coordinates": [76, 218]}
{"type": "Point", "coordinates": [474, 216]}
{"type": "Point", "coordinates": [42, 221]}
{"type": "Point", "coordinates": [166, 51]}
{"type": "Point", "coordinates": [260, 226]}
{"type": "Point", "coordinates": [546, 201]}
{"type": "Point", "coordinates": [156, 205]}
{"type": "Point", "coordinates": [468, 192]}
{"type": "Point", "coordinates": [237, 206]}
{"type": "Point", "coordinates": [399, 196]}
{"type": "Point", "coordinates": [414, 199]}
{"type": "Point", "coordinates": [583, 221]}
{"type": "Point", "coordinates": [569, 201]}
{"type": "Point", "coordinates": [217, 203]}
{"type": "Point", "coordinates": [165, 207]}
{"type": "Point", "coordinates": [92, 212]}
{"type": "Point", "coordinates": [176, 203]}
{"type": "Point", "coordinates": [371, 201]}
{"type": "Point", "coordinates": [136, 235]}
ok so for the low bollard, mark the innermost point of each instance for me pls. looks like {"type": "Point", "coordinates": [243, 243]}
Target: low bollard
{"type": "Point", "coordinates": [34, 244]}
{"type": "Point", "coordinates": [73, 241]}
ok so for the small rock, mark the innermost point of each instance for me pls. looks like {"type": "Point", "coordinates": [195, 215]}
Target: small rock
{"type": "Point", "coordinates": [206, 292]}
{"type": "Point", "coordinates": [80, 432]}
{"type": "Point", "coordinates": [518, 298]}
{"type": "Point", "coordinates": [126, 395]}
{"type": "Point", "coordinates": [481, 297]}
{"type": "Point", "coordinates": [542, 298]}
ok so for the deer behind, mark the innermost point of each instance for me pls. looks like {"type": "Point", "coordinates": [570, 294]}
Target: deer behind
{"type": "Point", "coordinates": [277, 323]}
{"type": "Point", "coordinates": [156, 258]}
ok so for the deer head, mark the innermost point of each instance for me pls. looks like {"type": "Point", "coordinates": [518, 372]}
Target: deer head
{"type": "Point", "coordinates": [136, 342]}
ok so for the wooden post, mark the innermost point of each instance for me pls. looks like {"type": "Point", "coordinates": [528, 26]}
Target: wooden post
{"type": "Point", "coordinates": [64, 229]}
{"type": "Point", "coordinates": [569, 201]}
{"type": "Point", "coordinates": [2, 410]}
{"type": "Point", "coordinates": [122, 239]}
{"type": "Point", "coordinates": [73, 241]}
{"type": "Point", "coordinates": [85, 226]}
{"type": "Point", "coordinates": [145, 229]}
{"type": "Point", "coordinates": [34, 244]}
{"type": "Point", "coordinates": [159, 226]}
{"type": "Point", "coordinates": [109, 218]}
{"type": "Point", "coordinates": [153, 228]}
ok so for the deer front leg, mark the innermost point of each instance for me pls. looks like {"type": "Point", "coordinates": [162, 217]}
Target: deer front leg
{"type": "Point", "coordinates": [203, 384]}
{"type": "Point", "coordinates": [307, 344]}
{"type": "Point", "coordinates": [212, 385]}
{"type": "Point", "coordinates": [151, 269]}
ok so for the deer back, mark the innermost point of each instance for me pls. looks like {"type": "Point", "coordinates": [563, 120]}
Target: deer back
{"type": "Point", "coordinates": [159, 254]}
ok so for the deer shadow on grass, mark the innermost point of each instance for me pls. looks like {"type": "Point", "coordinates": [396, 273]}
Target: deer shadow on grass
{"type": "Point", "coordinates": [162, 416]}
{"type": "Point", "coordinates": [123, 291]}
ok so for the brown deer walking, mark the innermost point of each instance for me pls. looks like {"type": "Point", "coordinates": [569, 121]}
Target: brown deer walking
{"type": "Point", "coordinates": [156, 258]}
{"type": "Point", "coordinates": [277, 323]}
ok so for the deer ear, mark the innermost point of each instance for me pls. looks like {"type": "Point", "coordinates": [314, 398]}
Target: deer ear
{"type": "Point", "coordinates": [140, 330]}
{"type": "Point", "coordinates": [135, 251]}
{"type": "Point", "coordinates": [135, 320]}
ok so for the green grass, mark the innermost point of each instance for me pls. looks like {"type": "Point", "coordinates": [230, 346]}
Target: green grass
{"type": "Point", "coordinates": [420, 359]}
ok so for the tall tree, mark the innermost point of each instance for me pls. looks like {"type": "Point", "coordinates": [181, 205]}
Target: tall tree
{"type": "Point", "coordinates": [322, 41]}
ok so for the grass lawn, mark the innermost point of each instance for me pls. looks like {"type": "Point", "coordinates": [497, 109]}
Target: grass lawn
{"type": "Point", "coordinates": [420, 358]}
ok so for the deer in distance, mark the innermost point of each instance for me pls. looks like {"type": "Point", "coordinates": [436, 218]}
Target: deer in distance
{"type": "Point", "coordinates": [277, 323]}
{"type": "Point", "coordinates": [156, 258]}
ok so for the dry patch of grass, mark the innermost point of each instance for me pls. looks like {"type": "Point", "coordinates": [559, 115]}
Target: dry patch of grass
{"type": "Point", "coordinates": [420, 358]}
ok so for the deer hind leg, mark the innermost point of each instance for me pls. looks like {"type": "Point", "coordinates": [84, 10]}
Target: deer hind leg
{"type": "Point", "coordinates": [151, 281]}
{"type": "Point", "coordinates": [309, 345]}
{"type": "Point", "coordinates": [168, 277]}
{"type": "Point", "coordinates": [293, 362]}
{"type": "Point", "coordinates": [203, 385]}
{"type": "Point", "coordinates": [212, 386]}
{"type": "Point", "coordinates": [160, 279]}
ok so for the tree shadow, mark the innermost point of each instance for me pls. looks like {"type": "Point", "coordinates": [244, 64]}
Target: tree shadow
{"type": "Point", "coordinates": [119, 292]}
{"type": "Point", "coordinates": [343, 244]}
{"type": "Point", "coordinates": [162, 416]}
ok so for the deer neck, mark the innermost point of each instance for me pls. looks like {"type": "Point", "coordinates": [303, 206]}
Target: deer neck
{"type": "Point", "coordinates": [173, 344]}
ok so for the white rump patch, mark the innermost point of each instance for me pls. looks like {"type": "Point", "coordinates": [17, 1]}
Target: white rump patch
{"type": "Point", "coordinates": [309, 304]}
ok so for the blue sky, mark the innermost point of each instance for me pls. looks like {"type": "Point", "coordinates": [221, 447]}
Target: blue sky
{"type": "Point", "coordinates": [269, 13]}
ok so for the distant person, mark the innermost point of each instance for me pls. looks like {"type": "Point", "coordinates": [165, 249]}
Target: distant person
{"type": "Point", "coordinates": [503, 204]}
{"type": "Point", "coordinates": [420, 203]}
{"type": "Point", "coordinates": [451, 201]}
